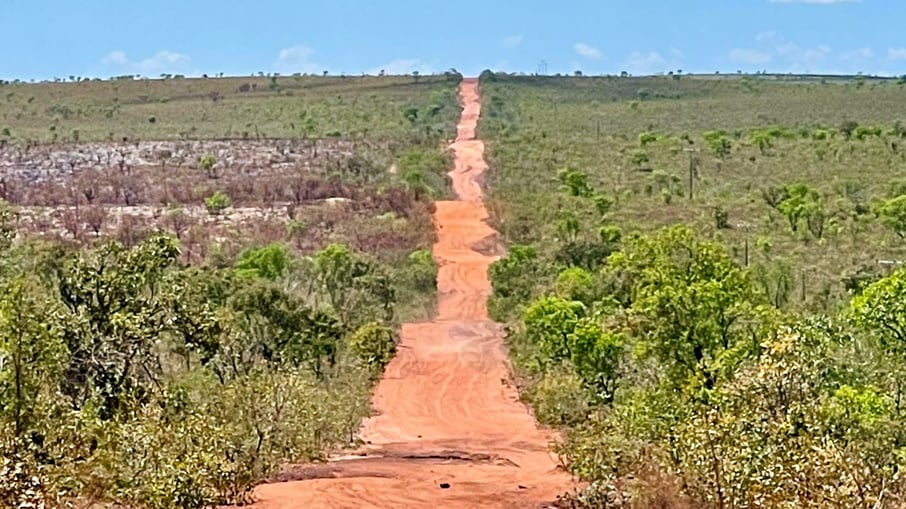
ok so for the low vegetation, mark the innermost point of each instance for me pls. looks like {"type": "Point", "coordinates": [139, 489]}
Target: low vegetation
{"type": "Point", "coordinates": [181, 319]}
{"type": "Point", "coordinates": [702, 287]}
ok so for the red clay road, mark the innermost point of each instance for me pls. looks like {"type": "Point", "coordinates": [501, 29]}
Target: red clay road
{"type": "Point", "coordinates": [445, 410]}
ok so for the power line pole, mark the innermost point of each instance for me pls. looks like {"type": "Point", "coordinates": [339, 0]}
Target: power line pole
{"type": "Point", "coordinates": [542, 68]}
{"type": "Point", "coordinates": [693, 168]}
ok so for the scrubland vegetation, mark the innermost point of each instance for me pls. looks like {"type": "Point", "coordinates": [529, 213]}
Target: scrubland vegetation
{"type": "Point", "coordinates": [179, 322]}
{"type": "Point", "coordinates": [702, 287]}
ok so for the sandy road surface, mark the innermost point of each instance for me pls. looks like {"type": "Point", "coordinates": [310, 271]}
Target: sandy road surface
{"type": "Point", "coordinates": [446, 412]}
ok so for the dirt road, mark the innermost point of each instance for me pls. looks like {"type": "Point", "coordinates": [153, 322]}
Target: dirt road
{"type": "Point", "coordinates": [449, 431]}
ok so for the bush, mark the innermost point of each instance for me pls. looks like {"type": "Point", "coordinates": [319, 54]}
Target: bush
{"type": "Point", "coordinates": [217, 203]}
{"type": "Point", "coordinates": [268, 262]}
{"type": "Point", "coordinates": [374, 344]}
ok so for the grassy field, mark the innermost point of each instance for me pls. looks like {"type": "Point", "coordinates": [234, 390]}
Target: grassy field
{"type": "Point", "coordinates": [538, 126]}
{"type": "Point", "coordinates": [201, 108]}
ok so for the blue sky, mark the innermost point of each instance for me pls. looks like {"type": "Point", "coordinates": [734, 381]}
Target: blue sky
{"type": "Point", "coordinates": [45, 39]}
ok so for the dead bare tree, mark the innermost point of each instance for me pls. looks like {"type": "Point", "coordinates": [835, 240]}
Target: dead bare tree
{"type": "Point", "coordinates": [177, 221]}
{"type": "Point", "coordinates": [95, 216]}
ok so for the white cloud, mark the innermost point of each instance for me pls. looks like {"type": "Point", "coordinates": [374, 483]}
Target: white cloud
{"type": "Point", "coordinates": [588, 51]}
{"type": "Point", "coordinates": [161, 62]}
{"type": "Point", "coordinates": [798, 55]}
{"type": "Point", "coordinates": [896, 54]}
{"type": "Point", "coordinates": [403, 66]}
{"type": "Point", "coordinates": [511, 41]}
{"type": "Point", "coordinates": [297, 59]}
{"type": "Point", "coordinates": [817, 2]}
{"type": "Point", "coordinates": [784, 54]}
{"type": "Point", "coordinates": [116, 58]}
{"type": "Point", "coordinates": [501, 66]}
{"type": "Point", "coordinates": [650, 62]}
{"type": "Point", "coordinates": [750, 56]}
{"type": "Point", "coordinates": [858, 55]}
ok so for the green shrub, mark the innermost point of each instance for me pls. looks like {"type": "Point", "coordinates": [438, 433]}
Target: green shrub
{"type": "Point", "coordinates": [268, 262]}
{"type": "Point", "coordinates": [217, 203]}
{"type": "Point", "coordinates": [374, 344]}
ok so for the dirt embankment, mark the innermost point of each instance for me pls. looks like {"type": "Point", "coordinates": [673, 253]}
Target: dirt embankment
{"type": "Point", "coordinates": [449, 430]}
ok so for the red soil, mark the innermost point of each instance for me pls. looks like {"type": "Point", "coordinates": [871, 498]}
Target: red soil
{"type": "Point", "coordinates": [446, 411]}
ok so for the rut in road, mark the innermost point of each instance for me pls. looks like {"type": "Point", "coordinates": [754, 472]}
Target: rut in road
{"type": "Point", "coordinates": [446, 413]}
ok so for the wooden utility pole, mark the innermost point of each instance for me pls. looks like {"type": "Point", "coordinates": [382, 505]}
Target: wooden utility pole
{"type": "Point", "coordinates": [693, 169]}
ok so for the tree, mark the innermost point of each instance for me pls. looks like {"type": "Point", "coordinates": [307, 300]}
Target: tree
{"type": "Point", "coordinates": [31, 353]}
{"type": "Point", "coordinates": [575, 183]}
{"type": "Point", "coordinates": [881, 310]}
{"type": "Point", "coordinates": [577, 284]}
{"type": "Point", "coordinates": [802, 201]}
{"type": "Point", "coordinates": [513, 280]}
{"type": "Point", "coordinates": [691, 301]}
{"type": "Point", "coordinates": [597, 356]}
{"type": "Point", "coordinates": [603, 204]}
{"type": "Point", "coordinates": [892, 213]}
{"type": "Point", "coordinates": [549, 322]}
{"type": "Point", "coordinates": [355, 286]}
{"type": "Point", "coordinates": [268, 262]}
{"type": "Point", "coordinates": [847, 128]}
{"type": "Point", "coordinates": [196, 324]}
{"type": "Point", "coordinates": [273, 326]}
{"type": "Point", "coordinates": [117, 302]}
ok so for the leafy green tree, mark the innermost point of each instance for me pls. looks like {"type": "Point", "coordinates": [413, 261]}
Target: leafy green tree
{"type": "Point", "coordinates": [718, 143]}
{"type": "Point", "coordinates": [354, 285]}
{"type": "Point", "coordinates": [197, 322]}
{"type": "Point", "coordinates": [597, 356]}
{"type": "Point", "coordinates": [603, 204]}
{"type": "Point", "coordinates": [117, 303]}
{"type": "Point", "coordinates": [640, 158]}
{"type": "Point", "coordinates": [271, 326]}
{"type": "Point", "coordinates": [892, 213]}
{"type": "Point", "coordinates": [775, 280]}
{"type": "Point", "coordinates": [802, 201]}
{"type": "Point", "coordinates": [513, 280]}
{"type": "Point", "coordinates": [268, 262]}
{"type": "Point", "coordinates": [410, 113]}
{"type": "Point", "coordinates": [576, 284]}
{"type": "Point", "coordinates": [575, 183]}
{"type": "Point", "coordinates": [422, 270]}
{"type": "Point", "coordinates": [32, 354]}
{"type": "Point", "coordinates": [692, 302]}
{"type": "Point", "coordinates": [881, 309]}
{"type": "Point", "coordinates": [549, 322]}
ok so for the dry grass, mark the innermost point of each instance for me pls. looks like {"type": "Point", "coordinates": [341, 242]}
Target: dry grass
{"type": "Point", "coordinates": [284, 107]}
{"type": "Point", "coordinates": [537, 126]}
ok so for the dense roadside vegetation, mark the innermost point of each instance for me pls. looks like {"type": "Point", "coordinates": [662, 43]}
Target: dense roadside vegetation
{"type": "Point", "coordinates": [693, 289]}
{"type": "Point", "coordinates": [178, 358]}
